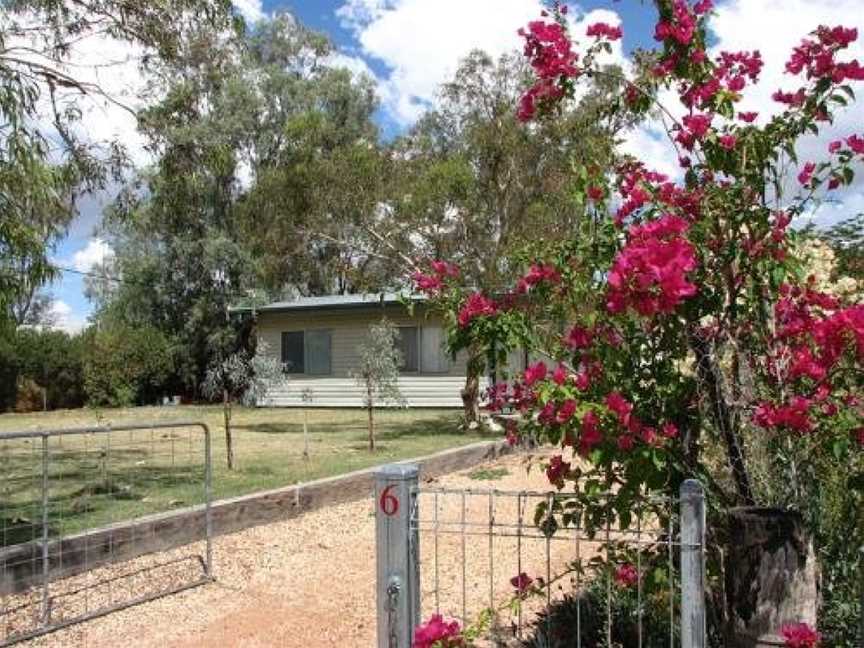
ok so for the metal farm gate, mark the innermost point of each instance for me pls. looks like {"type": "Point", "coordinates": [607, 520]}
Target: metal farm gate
{"type": "Point", "coordinates": [86, 527]}
{"type": "Point", "coordinates": [494, 555]}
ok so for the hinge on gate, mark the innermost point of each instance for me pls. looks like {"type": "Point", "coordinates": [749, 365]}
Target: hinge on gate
{"type": "Point", "coordinates": [393, 588]}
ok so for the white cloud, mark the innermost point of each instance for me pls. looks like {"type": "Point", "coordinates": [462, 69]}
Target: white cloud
{"type": "Point", "coordinates": [355, 64]}
{"type": "Point", "coordinates": [421, 44]}
{"type": "Point", "coordinates": [773, 27]}
{"type": "Point", "coordinates": [64, 318]}
{"type": "Point", "coordinates": [251, 10]}
{"type": "Point", "coordinates": [94, 253]}
{"type": "Point", "coordinates": [650, 143]}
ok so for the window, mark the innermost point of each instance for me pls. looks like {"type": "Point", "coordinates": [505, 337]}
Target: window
{"type": "Point", "coordinates": [293, 353]}
{"type": "Point", "coordinates": [318, 353]}
{"type": "Point", "coordinates": [306, 352]}
{"type": "Point", "coordinates": [433, 357]}
{"type": "Point", "coordinates": [406, 343]}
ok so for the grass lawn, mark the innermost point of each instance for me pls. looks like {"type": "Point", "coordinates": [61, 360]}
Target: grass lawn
{"type": "Point", "coordinates": [98, 479]}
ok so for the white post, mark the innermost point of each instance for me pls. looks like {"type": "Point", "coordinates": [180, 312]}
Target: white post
{"type": "Point", "coordinates": [693, 634]}
{"type": "Point", "coordinates": [397, 554]}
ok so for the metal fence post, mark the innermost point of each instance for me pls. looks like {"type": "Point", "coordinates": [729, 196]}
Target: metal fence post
{"type": "Point", "coordinates": [396, 546]}
{"type": "Point", "coordinates": [693, 634]}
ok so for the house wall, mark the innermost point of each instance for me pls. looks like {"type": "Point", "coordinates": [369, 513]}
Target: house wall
{"type": "Point", "coordinates": [349, 328]}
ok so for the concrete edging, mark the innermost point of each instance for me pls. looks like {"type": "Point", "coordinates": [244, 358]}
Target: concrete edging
{"type": "Point", "coordinates": [164, 531]}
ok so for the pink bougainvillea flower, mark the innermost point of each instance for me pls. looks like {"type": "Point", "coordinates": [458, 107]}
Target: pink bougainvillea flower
{"type": "Point", "coordinates": [477, 305]}
{"type": "Point", "coordinates": [799, 635]}
{"type": "Point", "coordinates": [648, 435]}
{"type": "Point", "coordinates": [579, 337]}
{"type": "Point", "coordinates": [626, 575]}
{"type": "Point", "coordinates": [551, 53]}
{"type": "Point", "coordinates": [669, 430]}
{"type": "Point", "coordinates": [748, 117]}
{"type": "Point", "coordinates": [680, 28]}
{"type": "Point", "coordinates": [858, 435]}
{"type": "Point", "coordinates": [703, 7]}
{"type": "Point", "coordinates": [521, 582]}
{"type": "Point", "coordinates": [806, 174]}
{"type": "Point", "coordinates": [427, 283]}
{"type": "Point", "coordinates": [437, 632]}
{"type": "Point", "coordinates": [856, 144]}
{"type": "Point", "coordinates": [445, 269]}
{"type": "Point", "coordinates": [649, 274]}
{"type": "Point", "coordinates": [727, 141]}
{"type": "Point", "coordinates": [566, 411]}
{"type": "Point", "coordinates": [619, 406]}
{"type": "Point", "coordinates": [583, 381]}
{"type": "Point", "coordinates": [793, 99]}
{"type": "Point", "coordinates": [604, 30]}
{"type": "Point", "coordinates": [595, 192]}
{"type": "Point", "coordinates": [538, 273]}
{"type": "Point", "coordinates": [626, 442]}
{"type": "Point", "coordinates": [557, 470]}
{"type": "Point", "coordinates": [535, 373]}
{"type": "Point", "coordinates": [560, 375]}
{"type": "Point", "coordinates": [590, 434]}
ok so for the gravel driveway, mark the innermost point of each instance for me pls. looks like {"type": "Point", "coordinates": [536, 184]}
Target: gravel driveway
{"type": "Point", "coordinates": [310, 581]}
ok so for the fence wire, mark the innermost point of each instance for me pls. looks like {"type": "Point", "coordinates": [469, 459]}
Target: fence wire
{"type": "Point", "coordinates": [88, 518]}
{"type": "Point", "coordinates": [541, 582]}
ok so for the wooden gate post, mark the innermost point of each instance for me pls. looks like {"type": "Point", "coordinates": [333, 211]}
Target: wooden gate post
{"type": "Point", "coordinates": [693, 634]}
{"type": "Point", "coordinates": [397, 555]}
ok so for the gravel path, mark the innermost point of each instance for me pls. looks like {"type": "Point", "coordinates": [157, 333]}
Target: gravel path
{"type": "Point", "coordinates": [310, 581]}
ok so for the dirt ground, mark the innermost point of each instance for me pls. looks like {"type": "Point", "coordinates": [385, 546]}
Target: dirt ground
{"type": "Point", "coordinates": [310, 581]}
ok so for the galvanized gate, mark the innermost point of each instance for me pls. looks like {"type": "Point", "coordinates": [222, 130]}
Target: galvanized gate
{"type": "Point", "coordinates": [500, 556]}
{"type": "Point", "coordinates": [87, 528]}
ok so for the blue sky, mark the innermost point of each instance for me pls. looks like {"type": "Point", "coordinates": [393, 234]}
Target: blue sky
{"type": "Point", "coordinates": [409, 46]}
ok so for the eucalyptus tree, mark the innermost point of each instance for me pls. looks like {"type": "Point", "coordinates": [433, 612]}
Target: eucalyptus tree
{"type": "Point", "coordinates": [251, 142]}
{"type": "Point", "coordinates": [316, 164]}
{"type": "Point", "coordinates": [47, 159]}
{"type": "Point", "coordinates": [474, 182]}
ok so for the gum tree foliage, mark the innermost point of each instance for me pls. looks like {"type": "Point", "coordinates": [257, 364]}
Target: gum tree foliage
{"type": "Point", "coordinates": [47, 163]}
{"type": "Point", "coordinates": [245, 139]}
{"type": "Point", "coordinates": [378, 372]}
{"type": "Point", "coordinates": [241, 377]}
{"type": "Point", "coordinates": [316, 165]}
{"type": "Point", "coordinates": [472, 183]}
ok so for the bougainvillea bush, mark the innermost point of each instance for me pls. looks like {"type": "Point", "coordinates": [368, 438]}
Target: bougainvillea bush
{"type": "Point", "coordinates": [678, 334]}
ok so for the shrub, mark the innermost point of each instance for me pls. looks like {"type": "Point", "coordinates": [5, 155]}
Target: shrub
{"type": "Point", "coordinates": [54, 361]}
{"type": "Point", "coordinates": [126, 366]}
{"type": "Point", "coordinates": [556, 626]}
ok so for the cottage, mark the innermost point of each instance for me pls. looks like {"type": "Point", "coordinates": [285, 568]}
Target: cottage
{"type": "Point", "coordinates": [317, 339]}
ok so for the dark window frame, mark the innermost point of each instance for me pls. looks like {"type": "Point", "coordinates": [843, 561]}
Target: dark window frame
{"type": "Point", "coordinates": [288, 366]}
{"type": "Point", "coordinates": [403, 367]}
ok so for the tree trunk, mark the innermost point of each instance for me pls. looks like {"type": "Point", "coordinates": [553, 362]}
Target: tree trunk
{"type": "Point", "coordinates": [471, 391]}
{"type": "Point", "coordinates": [470, 399]}
{"type": "Point", "coordinates": [306, 434]}
{"type": "Point", "coordinates": [369, 407]}
{"type": "Point", "coordinates": [771, 576]}
{"type": "Point", "coordinates": [711, 379]}
{"type": "Point", "coordinates": [229, 441]}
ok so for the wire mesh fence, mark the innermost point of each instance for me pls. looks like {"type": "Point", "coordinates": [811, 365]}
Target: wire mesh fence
{"type": "Point", "coordinates": [90, 518]}
{"type": "Point", "coordinates": [535, 569]}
